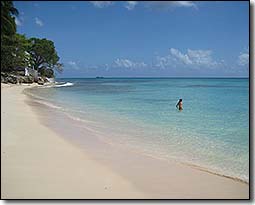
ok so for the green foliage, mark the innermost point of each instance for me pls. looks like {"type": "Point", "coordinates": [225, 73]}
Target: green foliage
{"type": "Point", "coordinates": [22, 44]}
{"type": "Point", "coordinates": [18, 51]}
{"type": "Point", "coordinates": [7, 51]}
{"type": "Point", "coordinates": [46, 72]}
{"type": "Point", "coordinates": [8, 30]}
{"type": "Point", "coordinates": [44, 55]}
{"type": "Point", "coordinates": [8, 25]}
{"type": "Point", "coordinates": [13, 52]}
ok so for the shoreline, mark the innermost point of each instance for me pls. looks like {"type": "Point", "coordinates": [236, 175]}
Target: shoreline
{"type": "Point", "coordinates": [73, 118]}
{"type": "Point", "coordinates": [170, 180]}
{"type": "Point", "coordinates": [203, 169]}
{"type": "Point", "coordinates": [38, 164]}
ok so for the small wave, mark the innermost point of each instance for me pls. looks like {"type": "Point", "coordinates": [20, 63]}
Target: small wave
{"type": "Point", "coordinates": [51, 105]}
{"type": "Point", "coordinates": [33, 95]}
{"type": "Point", "coordinates": [77, 118]}
{"type": "Point", "coordinates": [57, 85]}
{"type": "Point", "coordinates": [41, 100]}
{"type": "Point", "coordinates": [44, 101]}
{"type": "Point", "coordinates": [64, 85]}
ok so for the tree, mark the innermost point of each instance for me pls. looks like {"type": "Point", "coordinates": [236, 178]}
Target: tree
{"type": "Point", "coordinates": [44, 55]}
{"type": "Point", "coordinates": [8, 11]}
{"type": "Point", "coordinates": [49, 73]}
{"type": "Point", "coordinates": [14, 52]}
{"type": "Point", "coordinates": [8, 38]}
{"type": "Point", "coordinates": [22, 57]}
{"type": "Point", "coordinates": [18, 51]}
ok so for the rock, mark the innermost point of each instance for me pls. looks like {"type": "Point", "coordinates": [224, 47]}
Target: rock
{"type": "Point", "coordinates": [8, 78]}
{"type": "Point", "coordinates": [20, 79]}
{"type": "Point", "coordinates": [4, 74]}
{"type": "Point", "coordinates": [27, 79]}
{"type": "Point", "coordinates": [40, 81]}
{"type": "Point", "coordinates": [11, 79]}
{"type": "Point", "coordinates": [45, 80]}
{"type": "Point", "coordinates": [3, 79]}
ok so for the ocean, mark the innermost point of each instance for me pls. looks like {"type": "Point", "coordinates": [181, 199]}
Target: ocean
{"type": "Point", "coordinates": [211, 132]}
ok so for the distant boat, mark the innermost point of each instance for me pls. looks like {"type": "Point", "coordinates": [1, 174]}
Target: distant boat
{"type": "Point", "coordinates": [98, 77]}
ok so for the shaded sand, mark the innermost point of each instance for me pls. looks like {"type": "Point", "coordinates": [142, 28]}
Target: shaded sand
{"type": "Point", "coordinates": [36, 163]}
{"type": "Point", "coordinates": [69, 160]}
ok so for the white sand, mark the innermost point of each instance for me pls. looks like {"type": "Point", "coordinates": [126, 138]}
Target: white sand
{"type": "Point", "coordinates": [38, 163]}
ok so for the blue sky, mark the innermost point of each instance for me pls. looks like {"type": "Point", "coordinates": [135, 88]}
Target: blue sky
{"type": "Point", "coordinates": [142, 39]}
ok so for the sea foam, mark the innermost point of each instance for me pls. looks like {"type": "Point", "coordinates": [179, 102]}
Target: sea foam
{"type": "Point", "coordinates": [63, 85]}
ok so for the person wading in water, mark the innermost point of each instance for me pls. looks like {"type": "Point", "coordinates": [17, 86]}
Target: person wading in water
{"type": "Point", "coordinates": [179, 105]}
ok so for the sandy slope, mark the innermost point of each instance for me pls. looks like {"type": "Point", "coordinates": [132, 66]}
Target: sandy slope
{"type": "Point", "coordinates": [36, 163]}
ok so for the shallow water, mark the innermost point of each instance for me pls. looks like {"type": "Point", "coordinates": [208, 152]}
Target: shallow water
{"type": "Point", "coordinates": [212, 131]}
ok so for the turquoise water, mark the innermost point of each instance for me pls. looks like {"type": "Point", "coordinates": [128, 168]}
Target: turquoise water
{"type": "Point", "coordinates": [212, 131]}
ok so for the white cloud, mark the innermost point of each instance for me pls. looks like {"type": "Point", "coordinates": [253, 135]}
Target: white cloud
{"type": "Point", "coordinates": [170, 4]}
{"type": "Point", "coordinates": [175, 59]}
{"type": "Point", "coordinates": [177, 55]}
{"type": "Point", "coordinates": [243, 59]}
{"type": "Point", "coordinates": [38, 21]}
{"type": "Point", "coordinates": [130, 5]}
{"type": "Point", "coordinates": [126, 63]}
{"type": "Point", "coordinates": [185, 4]}
{"type": "Point", "coordinates": [192, 59]}
{"type": "Point", "coordinates": [201, 57]}
{"type": "Point", "coordinates": [73, 64]}
{"type": "Point", "coordinates": [161, 62]}
{"type": "Point", "coordinates": [101, 4]}
{"type": "Point", "coordinates": [18, 21]}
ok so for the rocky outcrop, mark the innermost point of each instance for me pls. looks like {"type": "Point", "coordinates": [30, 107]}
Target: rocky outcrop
{"type": "Point", "coordinates": [14, 79]}
{"type": "Point", "coordinates": [8, 78]}
{"type": "Point", "coordinates": [5, 78]}
{"type": "Point", "coordinates": [40, 81]}
{"type": "Point", "coordinates": [26, 79]}
{"type": "Point", "coordinates": [45, 79]}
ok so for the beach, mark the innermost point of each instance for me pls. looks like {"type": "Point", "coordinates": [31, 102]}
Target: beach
{"type": "Point", "coordinates": [42, 159]}
{"type": "Point", "coordinates": [38, 164]}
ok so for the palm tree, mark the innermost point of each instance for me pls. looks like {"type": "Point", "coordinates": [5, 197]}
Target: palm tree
{"type": "Point", "coordinates": [8, 11]}
{"type": "Point", "coordinates": [8, 30]}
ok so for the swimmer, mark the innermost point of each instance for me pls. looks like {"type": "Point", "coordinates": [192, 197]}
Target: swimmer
{"type": "Point", "coordinates": [179, 105]}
